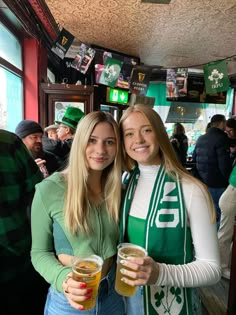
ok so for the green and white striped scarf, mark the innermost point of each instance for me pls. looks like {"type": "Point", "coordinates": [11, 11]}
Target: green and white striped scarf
{"type": "Point", "coordinates": [167, 239]}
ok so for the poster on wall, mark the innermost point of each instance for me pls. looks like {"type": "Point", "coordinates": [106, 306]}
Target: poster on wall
{"type": "Point", "coordinates": [111, 72]}
{"type": "Point", "coordinates": [176, 83]}
{"type": "Point", "coordinates": [181, 82]}
{"type": "Point", "coordinates": [83, 58]}
{"type": "Point", "coordinates": [73, 49]}
{"type": "Point", "coordinates": [63, 43]}
{"type": "Point", "coordinates": [140, 78]}
{"type": "Point", "coordinates": [171, 90]}
{"type": "Point", "coordinates": [128, 63]}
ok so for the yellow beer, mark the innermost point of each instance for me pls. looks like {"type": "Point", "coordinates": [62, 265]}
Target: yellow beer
{"type": "Point", "coordinates": [126, 250]}
{"type": "Point", "coordinates": [88, 270]}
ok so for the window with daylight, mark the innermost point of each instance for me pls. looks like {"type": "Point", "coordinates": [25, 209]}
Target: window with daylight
{"type": "Point", "coordinates": [10, 47]}
{"type": "Point", "coordinates": [11, 100]}
{"type": "Point", "coordinates": [11, 74]}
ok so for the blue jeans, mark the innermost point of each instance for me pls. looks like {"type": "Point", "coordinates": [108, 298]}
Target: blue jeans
{"type": "Point", "coordinates": [215, 194]}
{"type": "Point", "coordinates": [108, 301]}
{"type": "Point", "coordinates": [135, 304]}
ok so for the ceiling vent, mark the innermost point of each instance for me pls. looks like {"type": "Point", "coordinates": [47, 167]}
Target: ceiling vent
{"type": "Point", "coordinates": [157, 1]}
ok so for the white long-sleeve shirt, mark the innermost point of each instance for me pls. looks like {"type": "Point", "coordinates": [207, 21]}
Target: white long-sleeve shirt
{"type": "Point", "coordinates": [205, 269]}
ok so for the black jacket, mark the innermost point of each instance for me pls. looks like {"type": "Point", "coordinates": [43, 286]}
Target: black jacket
{"type": "Point", "coordinates": [212, 158]}
{"type": "Point", "coordinates": [60, 148]}
{"type": "Point", "coordinates": [52, 163]}
{"type": "Point", "coordinates": [180, 145]}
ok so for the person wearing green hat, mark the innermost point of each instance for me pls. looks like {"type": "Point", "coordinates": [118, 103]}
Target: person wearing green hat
{"type": "Point", "coordinates": [68, 123]}
{"type": "Point", "coordinates": [65, 132]}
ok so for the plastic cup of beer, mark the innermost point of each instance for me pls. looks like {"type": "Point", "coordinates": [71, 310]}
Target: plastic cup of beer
{"type": "Point", "coordinates": [88, 269]}
{"type": "Point", "coordinates": [126, 250]}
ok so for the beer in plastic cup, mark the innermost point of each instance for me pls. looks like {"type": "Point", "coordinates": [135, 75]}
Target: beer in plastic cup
{"type": "Point", "coordinates": [88, 269]}
{"type": "Point", "coordinates": [126, 250]}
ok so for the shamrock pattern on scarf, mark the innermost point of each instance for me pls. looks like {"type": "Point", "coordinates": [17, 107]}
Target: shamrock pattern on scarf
{"type": "Point", "coordinates": [167, 300]}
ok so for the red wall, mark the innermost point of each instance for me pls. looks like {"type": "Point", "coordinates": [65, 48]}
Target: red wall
{"type": "Point", "coordinates": [35, 71]}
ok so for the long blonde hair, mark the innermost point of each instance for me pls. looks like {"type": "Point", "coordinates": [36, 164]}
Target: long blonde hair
{"type": "Point", "coordinates": [167, 154]}
{"type": "Point", "coordinates": [77, 206]}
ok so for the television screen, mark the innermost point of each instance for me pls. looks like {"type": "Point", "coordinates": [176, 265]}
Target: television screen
{"type": "Point", "coordinates": [128, 63]}
{"type": "Point", "coordinates": [196, 93]}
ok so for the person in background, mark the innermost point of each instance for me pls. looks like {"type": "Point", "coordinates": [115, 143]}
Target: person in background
{"type": "Point", "coordinates": [193, 170]}
{"type": "Point", "coordinates": [179, 140]}
{"type": "Point", "coordinates": [51, 131]}
{"type": "Point", "coordinates": [23, 291]}
{"type": "Point", "coordinates": [68, 123]}
{"type": "Point", "coordinates": [31, 134]}
{"type": "Point", "coordinates": [208, 126]}
{"type": "Point", "coordinates": [212, 158]}
{"type": "Point", "coordinates": [80, 215]}
{"type": "Point", "coordinates": [227, 205]}
{"type": "Point", "coordinates": [169, 213]}
{"type": "Point", "coordinates": [65, 133]}
{"type": "Point", "coordinates": [230, 129]}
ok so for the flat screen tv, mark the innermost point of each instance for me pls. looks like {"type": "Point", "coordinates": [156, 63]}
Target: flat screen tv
{"type": "Point", "coordinates": [196, 93]}
{"type": "Point", "coordinates": [128, 63]}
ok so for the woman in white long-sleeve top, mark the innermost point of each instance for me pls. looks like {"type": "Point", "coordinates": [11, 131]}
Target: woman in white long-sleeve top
{"type": "Point", "coordinates": [168, 212]}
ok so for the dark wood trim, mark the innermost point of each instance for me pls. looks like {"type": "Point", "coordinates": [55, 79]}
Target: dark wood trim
{"type": "Point", "coordinates": [46, 18]}
{"type": "Point", "coordinates": [7, 65]}
{"type": "Point", "coordinates": [10, 21]}
{"type": "Point", "coordinates": [51, 93]}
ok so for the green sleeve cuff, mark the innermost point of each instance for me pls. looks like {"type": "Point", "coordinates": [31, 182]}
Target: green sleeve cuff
{"type": "Point", "coordinates": [61, 277]}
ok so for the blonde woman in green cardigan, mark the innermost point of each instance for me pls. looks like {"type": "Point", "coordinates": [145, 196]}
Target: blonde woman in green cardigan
{"type": "Point", "coordinates": [170, 214]}
{"type": "Point", "coordinates": [76, 212]}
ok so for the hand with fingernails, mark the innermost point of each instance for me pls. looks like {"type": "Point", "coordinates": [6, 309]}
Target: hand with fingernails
{"type": "Point", "coordinates": [76, 291]}
{"type": "Point", "coordinates": [142, 271]}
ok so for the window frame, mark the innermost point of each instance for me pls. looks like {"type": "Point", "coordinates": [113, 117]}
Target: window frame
{"type": "Point", "coordinates": [9, 22]}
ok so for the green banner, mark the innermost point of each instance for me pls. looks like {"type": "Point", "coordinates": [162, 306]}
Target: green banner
{"type": "Point", "coordinates": [216, 77]}
{"type": "Point", "coordinates": [111, 72]}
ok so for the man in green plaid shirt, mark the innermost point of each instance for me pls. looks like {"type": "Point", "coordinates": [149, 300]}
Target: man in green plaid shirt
{"type": "Point", "coordinates": [20, 285]}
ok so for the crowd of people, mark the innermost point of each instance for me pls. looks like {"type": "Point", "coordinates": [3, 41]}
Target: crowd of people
{"type": "Point", "coordinates": [93, 183]}
{"type": "Point", "coordinates": [214, 155]}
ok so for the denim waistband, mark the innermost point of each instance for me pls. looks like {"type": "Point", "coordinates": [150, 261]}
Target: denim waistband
{"type": "Point", "coordinates": [107, 282]}
{"type": "Point", "coordinates": [108, 300]}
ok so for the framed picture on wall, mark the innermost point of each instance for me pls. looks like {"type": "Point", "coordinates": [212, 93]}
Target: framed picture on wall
{"type": "Point", "coordinates": [60, 108]}
{"type": "Point", "coordinates": [55, 98]}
